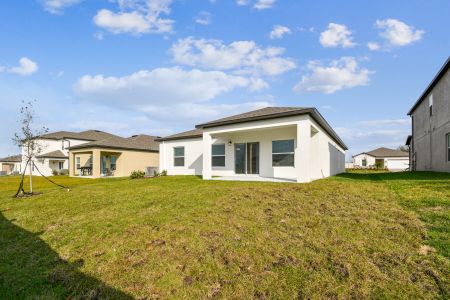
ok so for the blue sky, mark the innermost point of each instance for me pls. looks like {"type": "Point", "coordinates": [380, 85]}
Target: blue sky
{"type": "Point", "coordinates": [160, 66]}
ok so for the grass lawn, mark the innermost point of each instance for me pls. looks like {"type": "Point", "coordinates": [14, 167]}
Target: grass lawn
{"type": "Point", "coordinates": [357, 235]}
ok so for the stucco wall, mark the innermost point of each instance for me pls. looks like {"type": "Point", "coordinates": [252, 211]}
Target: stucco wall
{"type": "Point", "coordinates": [357, 160]}
{"type": "Point", "coordinates": [430, 131]}
{"type": "Point", "coordinates": [193, 150]}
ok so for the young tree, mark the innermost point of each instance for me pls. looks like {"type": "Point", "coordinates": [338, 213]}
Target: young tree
{"type": "Point", "coordinates": [27, 139]}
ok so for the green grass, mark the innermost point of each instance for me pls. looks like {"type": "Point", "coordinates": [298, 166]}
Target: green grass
{"type": "Point", "coordinates": [357, 235]}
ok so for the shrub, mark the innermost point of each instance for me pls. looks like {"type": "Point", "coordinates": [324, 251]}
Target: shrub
{"type": "Point", "coordinates": [156, 173]}
{"type": "Point", "coordinates": [163, 173]}
{"type": "Point", "coordinates": [64, 172]}
{"type": "Point", "coordinates": [55, 173]}
{"type": "Point", "coordinates": [137, 174]}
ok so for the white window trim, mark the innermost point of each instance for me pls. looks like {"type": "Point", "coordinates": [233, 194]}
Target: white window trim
{"type": "Point", "coordinates": [183, 156]}
{"type": "Point", "coordinates": [293, 152]}
{"type": "Point", "coordinates": [216, 155]}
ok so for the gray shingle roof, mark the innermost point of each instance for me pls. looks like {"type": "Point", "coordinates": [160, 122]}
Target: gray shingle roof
{"type": "Point", "coordinates": [261, 114]}
{"type": "Point", "coordinates": [386, 152]}
{"type": "Point", "coordinates": [140, 142]}
{"type": "Point", "coordinates": [88, 135]}
{"type": "Point", "coordinates": [196, 133]}
{"type": "Point", "coordinates": [12, 158]}
{"type": "Point", "coordinates": [53, 154]}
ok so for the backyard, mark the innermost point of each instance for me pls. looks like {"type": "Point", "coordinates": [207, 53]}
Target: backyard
{"type": "Point", "coordinates": [356, 235]}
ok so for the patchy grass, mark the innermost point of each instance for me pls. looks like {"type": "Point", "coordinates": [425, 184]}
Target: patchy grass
{"type": "Point", "coordinates": [352, 236]}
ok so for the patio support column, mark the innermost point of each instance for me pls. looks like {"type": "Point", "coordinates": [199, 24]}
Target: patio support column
{"type": "Point", "coordinates": [303, 151]}
{"type": "Point", "coordinates": [71, 164]}
{"type": "Point", "coordinates": [96, 162]}
{"type": "Point", "coordinates": [207, 142]}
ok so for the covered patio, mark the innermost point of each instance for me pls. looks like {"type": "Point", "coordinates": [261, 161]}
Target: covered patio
{"type": "Point", "coordinates": [93, 163]}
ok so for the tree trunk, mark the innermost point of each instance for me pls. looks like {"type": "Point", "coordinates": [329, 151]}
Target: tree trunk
{"type": "Point", "coordinates": [31, 176]}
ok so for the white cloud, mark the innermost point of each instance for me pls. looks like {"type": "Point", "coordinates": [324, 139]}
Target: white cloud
{"type": "Point", "coordinates": [243, 57]}
{"type": "Point", "coordinates": [337, 35]}
{"type": "Point", "coordinates": [398, 33]}
{"type": "Point", "coordinates": [136, 17]}
{"type": "Point", "coordinates": [339, 74]}
{"type": "Point", "coordinates": [57, 6]}
{"type": "Point", "coordinates": [278, 32]}
{"type": "Point", "coordinates": [26, 67]}
{"type": "Point", "coordinates": [242, 2]}
{"type": "Point", "coordinates": [168, 93]}
{"type": "Point", "coordinates": [264, 4]}
{"type": "Point", "coordinates": [203, 18]}
{"type": "Point", "coordinates": [373, 46]}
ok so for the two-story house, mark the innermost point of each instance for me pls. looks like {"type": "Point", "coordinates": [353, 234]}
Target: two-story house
{"type": "Point", "coordinates": [430, 140]}
{"type": "Point", "coordinates": [54, 156]}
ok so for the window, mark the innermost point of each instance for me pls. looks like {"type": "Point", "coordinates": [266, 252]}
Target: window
{"type": "Point", "coordinates": [178, 156]}
{"type": "Point", "coordinates": [61, 165]}
{"type": "Point", "coordinates": [62, 145]}
{"type": "Point", "coordinates": [218, 155]}
{"type": "Point", "coordinates": [430, 103]}
{"type": "Point", "coordinates": [364, 162]}
{"type": "Point", "coordinates": [448, 146]}
{"type": "Point", "coordinates": [113, 162]}
{"type": "Point", "coordinates": [77, 162]}
{"type": "Point", "coordinates": [283, 153]}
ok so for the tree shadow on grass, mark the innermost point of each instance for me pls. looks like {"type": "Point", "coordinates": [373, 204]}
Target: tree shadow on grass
{"type": "Point", "coordinates": [30, 269]}
{"type": "Point", "coordinates": [377, 176]}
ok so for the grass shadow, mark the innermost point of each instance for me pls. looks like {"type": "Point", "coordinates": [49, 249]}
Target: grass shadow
{"type": "Point", "coordinates": [30, 269]}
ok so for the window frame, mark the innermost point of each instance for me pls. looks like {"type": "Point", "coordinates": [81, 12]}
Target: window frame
{"type": "Point", "coordinates": [286, 153]}
{"type": "Point", "coordinates": [61, 165]}
{"type": "Point", "coordinates": [77, 162]}
{"type": "Point", "coordinates": [179, 156]}
{"type": "Point", "coordinates": [218, 155]}
{"type": "Point", "coordinates": [447, 142]}
{"type": "Point", "coordinates": [111, 164]}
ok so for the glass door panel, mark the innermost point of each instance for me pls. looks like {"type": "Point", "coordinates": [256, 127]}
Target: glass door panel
{"type": "Point", "coordinates": [239, 158]}
{"type": "Point", "coordinates": [252, 158]}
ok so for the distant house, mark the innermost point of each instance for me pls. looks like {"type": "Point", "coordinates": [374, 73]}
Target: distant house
{"type": "Point", "coordinates": [430, 115]}
{"type": "Point", "coordinates": [269, 144]}
{"type": "Point", "coordinates": [114, 156]}
{"type": "Point", "coordinates": [393, 160]}
{"type": "Point", "coordinates": [10, 165]}
{"type": "Point", "coordinates": [54, 156]}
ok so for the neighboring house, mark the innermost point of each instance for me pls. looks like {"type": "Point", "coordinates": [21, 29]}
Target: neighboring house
{"type": "Point", "coordinates": [114, 156]}
{"type": "Point", "coordinates": [10, 165]}
{"type": "Point", "coordinates": [393, 160]}
{"type": "Point", "coordinates": [54, 149]}
{"type": "Point", "coordinates": [430, 140]}
{"type": "Point", "coordinates": [273, 143]}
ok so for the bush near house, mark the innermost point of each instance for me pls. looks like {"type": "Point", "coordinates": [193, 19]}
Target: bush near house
{"type": "Point", "coordinates": [137, 174]}
{"type": "Point", "coordinates": [357, 235]}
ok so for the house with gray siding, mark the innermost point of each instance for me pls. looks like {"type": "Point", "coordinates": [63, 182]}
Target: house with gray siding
{"type": "Point", "coordinates": [430, 140]}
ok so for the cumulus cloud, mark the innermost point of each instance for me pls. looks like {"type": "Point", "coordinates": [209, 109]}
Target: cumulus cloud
{"type": "Point", "coordinates": [373, 46]}
{"type": "Point", "coordinates": [203, 18]}
{"type": "Point", "coordinates": [397, 33]}
{"type": "Point", "coordinates": [340, 74]}
{"type": "Point", "coordinates": [337, 35]}
{"type": "Point", "coordinates": [136, 17]}
{"type": "Point", "coordinates": [278, 32]}
{"type": "Point", "coordinates": [243, 57]}
{"type": "Point", "coordinates": [264, 4]}
{"type": "Point", "coordinates": [57, 6]}
{"type": "Point", "coordinates": [26, 67]}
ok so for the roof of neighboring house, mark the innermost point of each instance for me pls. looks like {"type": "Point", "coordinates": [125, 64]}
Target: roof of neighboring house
{"type": "Point", "coordinates": [262, 114]}
{"type": "Point", "coordinates": [53, 154]}
{"type": "Point", "coordinates": [12, 158]}
{"type": "Point", "coordinates": [433, 83]}
{"type": "Point", "coordinates": [385, 152]}
{"type": "Point", "coordinates": [139, 142]}
{"type": "Point", "coordinates": [196, 133]}
{"type": "Point", "coordinates": [88, 135]}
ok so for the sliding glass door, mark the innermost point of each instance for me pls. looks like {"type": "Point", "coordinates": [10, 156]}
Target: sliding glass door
{"type": "Point", "coordinates": [246, 158]}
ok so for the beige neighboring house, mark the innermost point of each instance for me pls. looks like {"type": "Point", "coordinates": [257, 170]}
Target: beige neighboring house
{"type": "Point", "coordinates": [391, 159]}
{"type": "Point", "coordinates": [114, 157]}
{"type": "Point", "coordinates": [10, 165]}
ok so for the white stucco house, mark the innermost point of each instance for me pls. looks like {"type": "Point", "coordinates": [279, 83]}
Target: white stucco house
{"type": "Point", "coordinates": [385, 158]}
{"type": "Point", "coordinates": [269, 144]}
{"type": "Point", "coordinates": [10, 165]}
{"type": "Point", "coordinates": [55, 149]}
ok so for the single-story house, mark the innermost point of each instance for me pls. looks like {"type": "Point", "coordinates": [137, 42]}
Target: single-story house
{"type": "Point", "coordinates": [10, 165]}
{"type": "Point", "coordinates": [393, 160]}
{"type": "Point", "coordinates": [54, 156]}
{"type": "Point", "coordinates": [269, 144]}
{"type": "Point", "coordinates": [114, 156]}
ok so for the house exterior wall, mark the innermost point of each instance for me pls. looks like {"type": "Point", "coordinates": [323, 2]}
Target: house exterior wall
{"type": "Point", "coordinates": [357, 160]}
{"type": "Point", "coordinates": [127, 161]}
{"type": "Point", "coordinates": [316, 155]}
{"type": "Point", "coordinates": [391, 163]}
{"type": "Point", "coordinates": [10, 167]}
{"type": "Point", "coordinates": [46, 165]}
{"type": "Point", "coordinates": [429, 151]}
